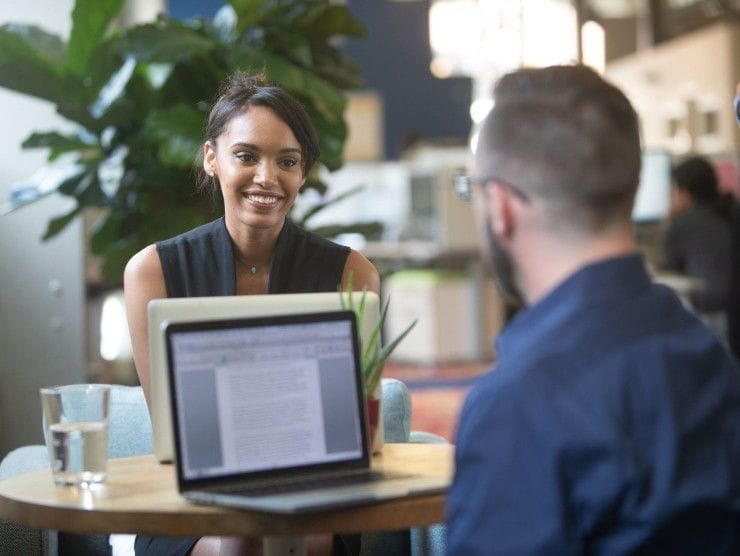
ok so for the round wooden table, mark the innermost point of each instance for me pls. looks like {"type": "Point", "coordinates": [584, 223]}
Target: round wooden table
{"type": "Point", "coordinates": [140, 496]}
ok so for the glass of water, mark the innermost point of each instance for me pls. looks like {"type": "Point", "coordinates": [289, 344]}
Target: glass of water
{"type": "Point", "coordinates": [76, 432]}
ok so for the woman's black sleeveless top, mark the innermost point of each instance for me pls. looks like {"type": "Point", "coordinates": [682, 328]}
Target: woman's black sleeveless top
{"type": "Point", "coordinates": [201, 262]}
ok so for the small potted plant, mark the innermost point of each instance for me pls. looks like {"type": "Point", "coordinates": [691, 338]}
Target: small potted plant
{"type": "Point", "coordinates": [372, 358]}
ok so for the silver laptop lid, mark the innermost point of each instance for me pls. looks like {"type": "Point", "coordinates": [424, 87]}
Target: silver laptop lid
{"type": "Point", "coordinates": [266, 397]}
{"type": "Point", "coordinates": [187, 309]}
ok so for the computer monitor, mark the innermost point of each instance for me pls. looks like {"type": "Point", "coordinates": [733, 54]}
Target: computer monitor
{"type": "Point", "coordinates": [165, 311]}
{"type": "Point", "coordinates": [654, 192]}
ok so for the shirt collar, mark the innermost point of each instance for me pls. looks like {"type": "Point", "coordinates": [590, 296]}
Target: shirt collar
{"type": "Point", "coordinates": [591, 285]}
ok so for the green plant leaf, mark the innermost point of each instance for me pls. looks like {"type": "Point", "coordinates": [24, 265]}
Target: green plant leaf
{"type": "Point", "coordinates": [287, 17]}
{"type": "Point", "coordinates": [300, 51]}
{"type": "Point", "coordinates": [47, 45]}
{"type": "Point", "coordinates": [351, 291]}
{"type": "Point", "coordinates": [329, 100]}
{"type": "Point", "coordinates": [114, 88]}
{"type": "Point", "coordinates": [107, 231]}
{"type": "Point", "coordinates": [361, 307]}
{"type": "Point", "coordinates": [75, 183]}
{"type": "Point", "coordinates": [58, 143]}
{"type": "Point", "coordinates": [87, 190]}
{"type": "Point", "coordinates": [278, 70]}
{"type": "Point", "coordinates": [115, 258]}
{"type": "Point", "coordinates": [105, 60]}
{"type": "Point", "coordinates": [331, 64]}
{"type": "Point", "coordinates": [335, 21]}
{"type": "Point", "coordinates": [326, 99]}
{"type": "Point", "coordinates": [44, 181]}
{"type": "Point", "coordinates": [345, 74]}
{"type": "Point", "coordinates": [369, 230]}
{"type": "Point", "coordinates": [90, 20]}
{"type": "Point", "coordinates": [247, 12]}
{"type": "Point", "coordinates": [326, 203]}
{"type": "Point", "coordinates": [331, 136]}
{"type": "Point", "coordinates": [165, 41]}
{"type": "Point", "coordinates": [178, 131]}
{"type": "Point", "coordinates": [26, 70]}
{"type": "Point", "coordinates": [388, 348]}
{"type": "Point", "coordinates": [57, 224]}
{"type": "Point", "coordinates": [375, 366]}
{"type": "Point", "coordinates": [371, 347]}
{"type": "Point", "coordinates": [332, 147]}
{"type": "Point", "coordinates": [53, 139]}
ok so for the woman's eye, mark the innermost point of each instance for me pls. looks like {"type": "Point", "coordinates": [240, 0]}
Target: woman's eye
{"type": "Point", "coordinates": [246, 156]}
{"type": "Point", "coordinates": [289, 162]}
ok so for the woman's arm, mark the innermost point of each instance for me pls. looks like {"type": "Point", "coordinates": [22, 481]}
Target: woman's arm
{"type": "Point", "coordinates": [363, 272]}
{"type": "Point", "coordinates": [143, 281]}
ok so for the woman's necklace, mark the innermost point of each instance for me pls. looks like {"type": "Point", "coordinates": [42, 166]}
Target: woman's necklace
{"type": "Point", "coordinates": [250, 268]}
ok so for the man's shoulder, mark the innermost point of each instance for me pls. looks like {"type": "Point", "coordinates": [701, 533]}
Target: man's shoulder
{"type": "Point", "coordinates": [607, 354]}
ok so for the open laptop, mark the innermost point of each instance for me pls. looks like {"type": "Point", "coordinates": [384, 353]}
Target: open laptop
{"type": "Point", "coordinates": [162, 311]}
{"type": "Point", "coordinates": [269, 414]}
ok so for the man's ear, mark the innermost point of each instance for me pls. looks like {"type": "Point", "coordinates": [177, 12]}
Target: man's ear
{"type": "Point", "coordinates": [209, 158]}
{"type": "Point", "coordinates": [502, 211]}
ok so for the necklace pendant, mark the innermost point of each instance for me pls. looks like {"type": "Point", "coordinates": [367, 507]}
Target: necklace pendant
{"type": "Point", "coordinates": [253, 270]}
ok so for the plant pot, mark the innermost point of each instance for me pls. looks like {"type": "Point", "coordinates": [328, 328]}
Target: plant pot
{"type": "Point", "coordinates": [375, 423]}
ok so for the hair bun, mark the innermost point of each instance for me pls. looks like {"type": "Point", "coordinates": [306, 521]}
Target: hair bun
{"type": "Point", "coordinates": [240, 82]}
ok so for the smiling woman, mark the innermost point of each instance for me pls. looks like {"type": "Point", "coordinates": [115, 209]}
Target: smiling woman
{"type": "Point", "coordinates": [259, 146]}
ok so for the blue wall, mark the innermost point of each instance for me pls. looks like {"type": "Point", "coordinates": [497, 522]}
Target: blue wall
{"type": "Point", "coordinates": [187, 9]}
{"type": "Point", "coordinates": [394, 56]}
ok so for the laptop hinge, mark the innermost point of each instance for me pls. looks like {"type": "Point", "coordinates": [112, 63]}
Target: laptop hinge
{"type": "Point", "coordinates": [287, 480]}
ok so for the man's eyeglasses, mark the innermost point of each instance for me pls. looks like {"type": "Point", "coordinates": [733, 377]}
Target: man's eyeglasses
{"type": "Point", "coordinates": [464, 184]}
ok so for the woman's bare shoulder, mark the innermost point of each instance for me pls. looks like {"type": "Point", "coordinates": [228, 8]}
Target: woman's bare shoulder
{"type": "Point", "coordinates": [144, 267]}
{"type": "Point", "coordinates": [363, 272]}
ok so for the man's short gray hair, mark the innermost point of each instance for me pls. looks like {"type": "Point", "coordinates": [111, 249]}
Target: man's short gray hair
{"type": "Point", "coordinates": [566, 136]}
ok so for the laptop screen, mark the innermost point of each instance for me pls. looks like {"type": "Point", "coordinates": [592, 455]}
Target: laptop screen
{"type": "Point", "coordinates": [263, 394]}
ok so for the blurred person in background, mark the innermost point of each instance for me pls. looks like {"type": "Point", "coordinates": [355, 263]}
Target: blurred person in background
{"type": "Point", "coordinates": [697, 239]}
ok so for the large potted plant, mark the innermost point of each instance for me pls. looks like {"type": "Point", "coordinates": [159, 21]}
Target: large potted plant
{"type": "Point", "coordinates": [139, 95]}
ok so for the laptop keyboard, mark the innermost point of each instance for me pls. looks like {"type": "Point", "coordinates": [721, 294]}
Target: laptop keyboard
{"type": "Point", "coordinates": [315, 483]}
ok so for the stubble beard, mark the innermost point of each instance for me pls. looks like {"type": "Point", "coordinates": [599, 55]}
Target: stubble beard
{"type": "Point", "coordinates": [503, 268]}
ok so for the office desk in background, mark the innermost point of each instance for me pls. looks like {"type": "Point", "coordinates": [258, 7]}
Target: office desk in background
{"type": "Point", "coordinates": [458, 313]}
{"type": "Point", "coordinates": [141, 496]}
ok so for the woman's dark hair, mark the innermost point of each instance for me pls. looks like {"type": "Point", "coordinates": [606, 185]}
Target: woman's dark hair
{"type": "Point", "coordinates": [696, 176]}
{"type": "Point", "coordinates": [238, 92]}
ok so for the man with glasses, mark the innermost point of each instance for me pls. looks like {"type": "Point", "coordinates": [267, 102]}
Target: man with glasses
{"type": "Point", "coordinates": [611, 421]}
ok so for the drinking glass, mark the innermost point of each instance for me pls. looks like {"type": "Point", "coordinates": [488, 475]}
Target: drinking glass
{"type": "Point", "coordinates": [76, 432]}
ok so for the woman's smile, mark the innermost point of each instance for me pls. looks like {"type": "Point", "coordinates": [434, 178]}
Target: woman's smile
{"type": "Point", "coordinates": [262, 200]}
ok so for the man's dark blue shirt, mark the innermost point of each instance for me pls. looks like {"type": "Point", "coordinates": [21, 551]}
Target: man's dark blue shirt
{"type": "Point", "coordinates": [611, 424]}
